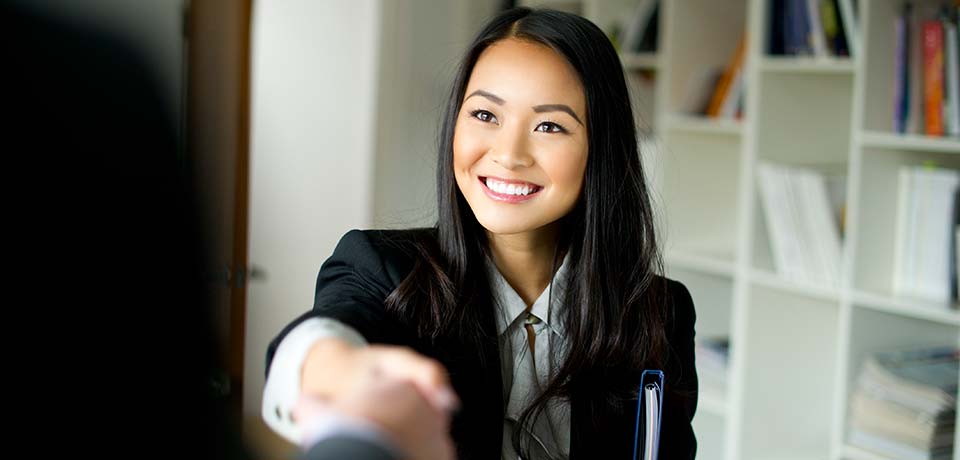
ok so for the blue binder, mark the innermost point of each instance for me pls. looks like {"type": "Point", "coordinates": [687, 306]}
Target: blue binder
{"type": "Point", "coordinates": [649, 415]}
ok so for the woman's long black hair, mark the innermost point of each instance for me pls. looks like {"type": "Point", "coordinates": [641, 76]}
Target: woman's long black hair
{"type": "Point", "coordinates": [613, 304]}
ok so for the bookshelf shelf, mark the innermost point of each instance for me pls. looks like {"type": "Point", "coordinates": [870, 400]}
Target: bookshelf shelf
{"type": "Point", "coordinates": [640, 61]}
{"type": "Point", "coordinates": [710, 264]}
{"type": "Point", "coordinates": [881, 140]}
{"type": "Point", "coordinates": [855, 453]}
{"type": "Point", "coordinates": [772, 280]}
{"type": "Point", "coordinates": [811, 65]}
{"type": "Point", "coordinates": [704, 125]}
{"type": "Point", "coordinates": [912, 308]}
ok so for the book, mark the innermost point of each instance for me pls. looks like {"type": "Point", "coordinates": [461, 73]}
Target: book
{"type": "Point", "coordinates": [641, 31]}
{"type": "Point", "coordinates": [924, 228]}
{"type": "Point", "coordinates": [802, 223]}
{"type": "Point", "coordinates": [933, 69]}
{"type": "Point", "coordinates": [797, 28]}
{"type": "Point", "coordinates": [816, 34]}
{"type": "Point", "coordinates": [952, 82]}
{"type": "Point", "coordinates": [833, 28]}
{"type": "Point", "coordinates": [901, 85]}
{"type": "Point", "coordinates": [848, 20]}
{"type": "Point", "coordinates": [775, 33]}
{"type": "Point", "coordinates": [727, 83]}
{"type": "Point", "coordinates": [955, 250]}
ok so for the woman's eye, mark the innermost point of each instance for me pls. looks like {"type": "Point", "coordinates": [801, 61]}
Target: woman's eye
{"type": "Point", "coordinates": [551, 127]}
{"type": "Point", "coordinates": [482, 115]}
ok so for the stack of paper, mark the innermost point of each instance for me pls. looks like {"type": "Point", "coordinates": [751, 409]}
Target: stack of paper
{"type": "Point", "coordinates": [904, 404]}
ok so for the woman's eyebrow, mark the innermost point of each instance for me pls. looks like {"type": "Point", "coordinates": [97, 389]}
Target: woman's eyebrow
{"type": "Point", "coordinates": [537, 108]}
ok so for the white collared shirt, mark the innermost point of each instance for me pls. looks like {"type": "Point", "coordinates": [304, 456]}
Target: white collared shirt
{"type": "Point", "coordinates": [522, 377]}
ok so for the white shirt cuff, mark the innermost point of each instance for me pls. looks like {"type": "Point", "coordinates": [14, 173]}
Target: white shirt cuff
{"type": "Point", "coordinates": [282, 389]}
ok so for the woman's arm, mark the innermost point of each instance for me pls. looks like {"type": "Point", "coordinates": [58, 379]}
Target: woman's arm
{"type": "Point", "coordinates": [284, 380]}
{"type": "Point", "coordinates": [324, 350]}
{"type": "Point", "coordinates": [680, 398]}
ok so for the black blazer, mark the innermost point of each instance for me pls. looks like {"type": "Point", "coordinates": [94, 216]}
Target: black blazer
{"type": "Point", "coordinates": [368, 265]}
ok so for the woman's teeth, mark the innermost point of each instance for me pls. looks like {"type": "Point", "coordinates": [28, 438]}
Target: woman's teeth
{"type": "Point", "coordinates": [509, 189]}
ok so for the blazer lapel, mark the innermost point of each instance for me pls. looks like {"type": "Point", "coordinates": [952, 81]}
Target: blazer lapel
{"type": "Point", "coordinates": [478, 428]}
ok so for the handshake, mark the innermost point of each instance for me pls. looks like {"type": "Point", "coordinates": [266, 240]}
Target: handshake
{"type": "Point", "coordinates": [375, 402]}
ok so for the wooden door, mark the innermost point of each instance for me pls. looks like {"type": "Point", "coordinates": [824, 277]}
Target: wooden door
{"type": "Point", "coordinates": [217, 41]}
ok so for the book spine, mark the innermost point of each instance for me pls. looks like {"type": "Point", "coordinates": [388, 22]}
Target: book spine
{"type": "Point", "coordinates": [817, 41]}
{"type": "Point", "coordinates": [901, 239]}
{"type": "Point", "coordinates": [953, 78]}
{"type": "Point", "coordinates": [900, 87]}
{"type": "Point", "coordinates": [932, 33]}
{"type": "Point", "coordinates": [849, 21]}
{"type": "Point", "coordinates": [723, 88]}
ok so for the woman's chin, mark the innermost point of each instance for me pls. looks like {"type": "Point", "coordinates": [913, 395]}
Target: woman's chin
{"type": "Point", "coordinates": [498, 227]}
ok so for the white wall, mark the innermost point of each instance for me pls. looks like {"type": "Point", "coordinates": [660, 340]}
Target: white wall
{"type": "Point", "coordinates": [313, 84]}
{"type": "Point", "coordinates": [421, 43]}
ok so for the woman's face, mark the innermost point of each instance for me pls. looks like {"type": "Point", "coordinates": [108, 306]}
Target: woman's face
{"type": "Point", "coordinates": [520, 143]}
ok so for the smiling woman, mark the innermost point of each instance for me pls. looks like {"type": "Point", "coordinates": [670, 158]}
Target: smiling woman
{"type": "Point", "coordinates": [538, 294]}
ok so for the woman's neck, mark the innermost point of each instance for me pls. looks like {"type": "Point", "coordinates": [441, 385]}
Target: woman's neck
{"type": "Point", "coordinates": [526, 259]}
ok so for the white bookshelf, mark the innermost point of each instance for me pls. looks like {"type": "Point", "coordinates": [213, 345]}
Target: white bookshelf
{"type": "Point", "coordinates": [796, 348]}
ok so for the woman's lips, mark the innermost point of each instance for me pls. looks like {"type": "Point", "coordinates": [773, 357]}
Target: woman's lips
{"type": "Point", "coordinates": [508, 197]}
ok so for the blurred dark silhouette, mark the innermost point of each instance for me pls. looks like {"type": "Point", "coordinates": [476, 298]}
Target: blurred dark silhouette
{"type": "Point", "coordinates": [106, 262]}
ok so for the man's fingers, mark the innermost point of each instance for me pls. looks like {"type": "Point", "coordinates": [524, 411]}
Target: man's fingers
{"type": "Point", "coordinates": [428, 375]}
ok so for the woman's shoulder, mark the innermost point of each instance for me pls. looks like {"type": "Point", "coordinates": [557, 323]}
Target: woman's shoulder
{"type": "Point", "coordinates": [678, 299]}
{"type": "Point", "coordinates": [392, 251]}
{"type": "Point", "coordinates": [390, 242]}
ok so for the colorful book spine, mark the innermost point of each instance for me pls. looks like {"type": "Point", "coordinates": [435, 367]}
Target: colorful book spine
{"type": "Point", "coordinates": [933, 69]}
{"type": "Point", "coordinates": [727, 82]}
{"type": "Point", "coordinates": [901, 87]}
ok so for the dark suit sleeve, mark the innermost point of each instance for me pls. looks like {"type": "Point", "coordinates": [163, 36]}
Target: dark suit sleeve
{"type": "Point", "coordinates": [680, 398]}
{"type": "Point", "coordinates": [351, 287]}
{"type": "Point", "coordinates": [339, 448]}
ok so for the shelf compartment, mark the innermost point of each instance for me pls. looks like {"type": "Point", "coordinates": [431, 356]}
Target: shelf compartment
{"type": "Point", "coordinates": [804, 119]}
{"type": "Point", "coordinates": [874, 330]}
{"type": "Point", "coordinates": [696, 45]}
{"type": "Point", "coordinates": [809, 65]}
{"type": "Point", "coordinates": [913, 142]}
{"type": "Point", "coordinates": [877, 200]}
{"type": "Point", "coordinates": [701, 182]}
{"type": "Point", "coordinates": [791, 350]}
{"type": "Point", "coordinates": [879, 60]}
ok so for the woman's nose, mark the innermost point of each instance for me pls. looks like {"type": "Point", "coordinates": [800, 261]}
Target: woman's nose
{"type": "Point", "coordinates": [511, 150]}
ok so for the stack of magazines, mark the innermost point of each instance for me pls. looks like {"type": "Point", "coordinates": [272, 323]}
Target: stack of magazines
{"type": "Point", "coordinates": [904, 404]}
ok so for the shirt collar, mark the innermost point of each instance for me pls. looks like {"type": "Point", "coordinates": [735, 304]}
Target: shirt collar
{"type": "Point", "coordinates": [510, 306]}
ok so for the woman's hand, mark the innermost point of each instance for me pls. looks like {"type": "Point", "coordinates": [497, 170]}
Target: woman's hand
{"type": "Point", "coordinates": [333, 368]}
